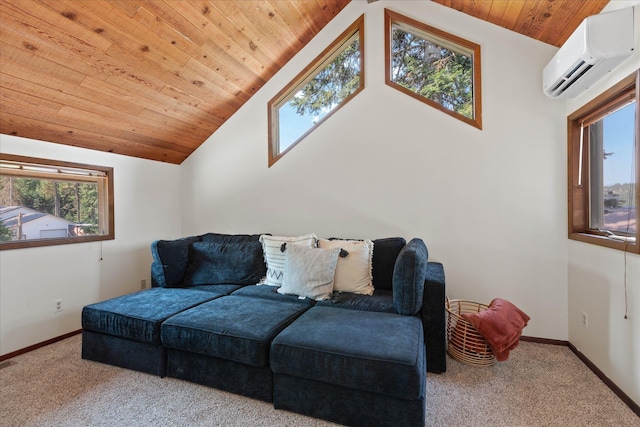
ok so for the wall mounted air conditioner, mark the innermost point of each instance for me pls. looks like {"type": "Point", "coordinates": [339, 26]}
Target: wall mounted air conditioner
{"type": "Point", "coordinates": [596, 47]}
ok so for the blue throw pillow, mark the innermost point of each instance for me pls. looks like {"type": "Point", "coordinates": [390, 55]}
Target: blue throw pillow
{"type": "Point", "coordinates": [385, 252]}
{"type": "Point", "coordinates": [225, 263]}
{"type": "Point", "coordinates": [229, 238]}
{"type": "Point", "coordinates": [409, 274]}
{"type": "Point", "coordinates": [170, 260]}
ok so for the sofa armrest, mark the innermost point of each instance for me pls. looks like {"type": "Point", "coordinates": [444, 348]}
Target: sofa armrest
{"type": "Point", "coordinates": [157, 275]}
{"type": "Point", "coordinates": [434, 318]}
{"type": "Point", "coordinates": [408, 277]}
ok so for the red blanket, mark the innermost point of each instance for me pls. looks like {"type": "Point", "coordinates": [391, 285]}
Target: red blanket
{"type": "Point", "coordinates": [501, 326]}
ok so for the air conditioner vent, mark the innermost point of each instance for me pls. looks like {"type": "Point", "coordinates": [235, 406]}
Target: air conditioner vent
{"type": "Point", "coordinates": [599, 44]}
{"type": "Point", "coordinates": [576, 68]}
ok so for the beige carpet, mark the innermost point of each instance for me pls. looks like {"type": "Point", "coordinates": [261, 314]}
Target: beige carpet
{"type": "Point", "coordinates": [540, 385]}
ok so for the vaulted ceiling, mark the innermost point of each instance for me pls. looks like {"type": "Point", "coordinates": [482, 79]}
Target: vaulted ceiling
{"type": "Point", "coordinates": [550, 21]}
{"type": "Point", "coordinates": [155, 78]}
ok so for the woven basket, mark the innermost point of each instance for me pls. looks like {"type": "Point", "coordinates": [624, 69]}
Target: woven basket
{"type": "Point", "coordinates": [464, 343]}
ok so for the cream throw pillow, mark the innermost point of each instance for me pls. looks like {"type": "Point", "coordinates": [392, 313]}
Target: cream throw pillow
{"type": "Point", "coordinates": [354, 271]}
{"type": "Point", "coordinates": [308, 272]}
{"type": "Point", "coordinates": [274, 257]}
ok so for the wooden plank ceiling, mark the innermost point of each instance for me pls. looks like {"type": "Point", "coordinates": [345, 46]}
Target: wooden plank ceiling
{"type": "Point", "coordinates": [155, 78]}
{"type": "Point", "coordinates": [550, 21]}
{"type": "Point", "coordinates": [150, 79]}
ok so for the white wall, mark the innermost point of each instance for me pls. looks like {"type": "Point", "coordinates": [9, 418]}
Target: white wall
{"type": "Point", "coordinates": [490, 204]}
{"type": "Point", "coordinates": [31, 279]}
{"type": "Point", "coordinates": [596, 281]}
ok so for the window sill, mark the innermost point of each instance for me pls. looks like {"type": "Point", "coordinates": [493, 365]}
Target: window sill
{"type": "Point", "coordinates": [34, 243]}
{"type": "Point", "coordinates": [608, 242]}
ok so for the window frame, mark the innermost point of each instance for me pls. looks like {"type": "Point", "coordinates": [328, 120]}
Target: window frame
{"type": "Point", "coordinates": [106, 207]}
{"type": "Point", "coordinates": [302, 78]}
{"type": "Point", "coordinates": [578, 164]}
{"type": "Point", "coordinates": [391, 17]}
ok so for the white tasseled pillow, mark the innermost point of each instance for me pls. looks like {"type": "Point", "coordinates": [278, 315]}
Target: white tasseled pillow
{"type": "Point", "coordinates": [274, 257]}
{"type": "Point", "coordinates": [354, 271]}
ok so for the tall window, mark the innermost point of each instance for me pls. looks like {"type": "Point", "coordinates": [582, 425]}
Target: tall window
{"type": "Point", "coordinates": [45, 202]}
{"type": "Point", "coordinates": [604, 166]}
{"type": "Point", "coordinates": [434, 67]}
{"type": "Point", "coordinates": [327, 84]}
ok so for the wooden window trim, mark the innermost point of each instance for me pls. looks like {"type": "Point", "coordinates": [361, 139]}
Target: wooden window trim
{"type": "Point", "coordinates": [578, 187]}
{"type": "Point", "coordinates": [105, 204]}
{"type": "Point", "coordinates": [274, 103]}
{"type": "Point", "coordinates": [389, 18]}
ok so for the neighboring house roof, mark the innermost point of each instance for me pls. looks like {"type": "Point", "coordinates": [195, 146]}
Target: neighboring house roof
{"type": "Point", "coordinates": [9, 215]}
{"type": "Point", "coordinates": [5, 209]}
{"type": "Point", "coordinates": [10, 211]}
{"type": "Point", "coordinates": [13, 221]}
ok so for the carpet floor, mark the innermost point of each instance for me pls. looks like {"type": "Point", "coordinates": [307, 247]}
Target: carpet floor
{"type": "Point", "coordinates": [539, 385]}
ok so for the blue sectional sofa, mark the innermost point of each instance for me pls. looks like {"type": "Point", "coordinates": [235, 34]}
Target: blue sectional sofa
{"type": "Point", "coordinates": [352, 358]}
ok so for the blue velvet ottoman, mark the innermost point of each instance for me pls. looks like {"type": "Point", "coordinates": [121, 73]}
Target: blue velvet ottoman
{"type": "Point", "coordinates": [225, 343]}
{"type": "Point", "coordinates": [125, 331]}
{"type": "Point", "coordinates": [353, 367]}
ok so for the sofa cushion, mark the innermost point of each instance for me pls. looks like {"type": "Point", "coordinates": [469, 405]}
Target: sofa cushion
{"type": "Point", "coordinates": [225, 263]}
{"type": "Point", "coordinates": [375, 352]}
{"type": "Point", "coordinates": [229, 238]}
{"type": "Point", "coordinates": [409, 274]}
{"type": "Point", "coordinates": [171, 258]}
{"type": "Point", "coordinates": [271, 293]}
{"type": "Point", "coordinates": [385, 252]}
{"type": "Point", "coordinates": [309, 272]}
{"type": "Point", "coordinates": [354, 269]}
{"type": "Point", "coordinates": [233, 328]}
{"type": "Point", "coordinates": [272, 247]}
{"type": "Point", "coordinates": [138, 316]}
{"type": "Point", "coordinates": [381, 301]}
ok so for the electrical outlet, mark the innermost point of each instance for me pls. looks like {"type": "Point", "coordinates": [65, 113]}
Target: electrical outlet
{"type": "Point", "coordinates": [143, 284]}
{"type": "Point", "coordinates": [58, 306]}
{"type": "Point", "coordinates": [585, 320]}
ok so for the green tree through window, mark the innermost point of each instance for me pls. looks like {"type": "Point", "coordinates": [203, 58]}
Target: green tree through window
{"type": "Point", "coordinates": [5, 233]}
{"type": "Point", "coordinates": [433, 71]}
{"type": "Point", "coordinates": [434, 67]}
{"type": "Point", "coordinates": [73, 201]}
{"type": "Point", "coordinates": [328, 83]}
{"type": "Point", "coordinates": [332, 85]}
